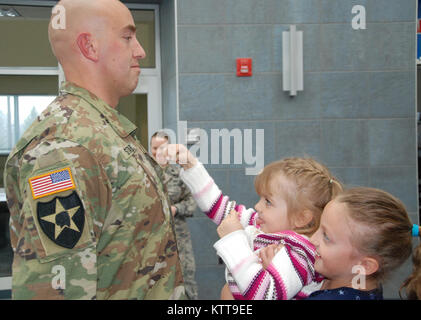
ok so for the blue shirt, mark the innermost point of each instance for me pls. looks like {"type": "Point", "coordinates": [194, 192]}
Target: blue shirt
{"type": "Point", "coordinates": [345, 293]}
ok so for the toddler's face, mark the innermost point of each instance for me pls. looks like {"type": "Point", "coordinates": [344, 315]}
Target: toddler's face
{"type": "Point", "coordinates": [272, 210]}
{"type": "Point", "coordinates": [336, 254]}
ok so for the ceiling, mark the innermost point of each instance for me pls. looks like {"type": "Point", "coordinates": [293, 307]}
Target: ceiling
{"type": "Point", "coordinates": [42, 12]}
{"type": "Point", "coordinates": [21, 2]}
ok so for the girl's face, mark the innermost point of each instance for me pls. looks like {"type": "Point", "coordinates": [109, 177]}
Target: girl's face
{"type": "Point", "coordinates": [272, 209]}
{"type": "Point", "coordinates": [336, 254]}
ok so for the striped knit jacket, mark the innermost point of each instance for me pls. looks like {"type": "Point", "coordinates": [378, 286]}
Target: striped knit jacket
{"type": "Point", "coordinates": [291, 273]}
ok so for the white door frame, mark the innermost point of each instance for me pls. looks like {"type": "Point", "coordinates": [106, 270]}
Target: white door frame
{"type": "Point", "coordinates": [150, 78]}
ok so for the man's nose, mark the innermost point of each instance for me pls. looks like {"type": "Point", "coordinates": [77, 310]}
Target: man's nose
{"type": "Point", "coordinates": [139, 52]}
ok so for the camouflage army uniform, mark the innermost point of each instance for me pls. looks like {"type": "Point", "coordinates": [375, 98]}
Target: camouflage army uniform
{"type": "Point", "coordinates": [182, 199]}
{"type": "Point", "coordinates": [109, 235]}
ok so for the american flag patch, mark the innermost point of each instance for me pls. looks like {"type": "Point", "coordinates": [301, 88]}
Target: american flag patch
{"type": "Point", "coordinates": [51, 182]}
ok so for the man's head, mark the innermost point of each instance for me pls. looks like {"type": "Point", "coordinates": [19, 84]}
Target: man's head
{"type": "Point", "coordinates": [98, 49]}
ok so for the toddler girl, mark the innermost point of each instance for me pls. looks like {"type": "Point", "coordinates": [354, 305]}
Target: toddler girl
{"type": "Point", "coordinates": [293, 193]}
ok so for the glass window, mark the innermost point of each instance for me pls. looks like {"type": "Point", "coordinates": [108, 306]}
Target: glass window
{"type": "Point", "coordinates": [30, 94]}
{"type": "Point", "coordinates": [135, 108]}
{"type": "Point", "coordinates": [145, 33]}
{"type": "Point", "coordinates": [16, 114]}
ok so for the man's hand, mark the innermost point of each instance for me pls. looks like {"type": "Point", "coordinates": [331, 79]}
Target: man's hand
{"type": "Point", "coordinates": [173, 210]}
{"type": "Point", "coordinates": [230, 224]}
{"type": "Point", "coordinates": [175, 153]}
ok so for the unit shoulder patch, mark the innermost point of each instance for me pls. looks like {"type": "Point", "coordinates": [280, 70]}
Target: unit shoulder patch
{"type": "Point", "coordinates": [62, 219]}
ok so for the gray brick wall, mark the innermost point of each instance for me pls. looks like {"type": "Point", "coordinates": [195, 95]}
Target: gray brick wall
{"type": "Point", "coordinates": [356, 113]}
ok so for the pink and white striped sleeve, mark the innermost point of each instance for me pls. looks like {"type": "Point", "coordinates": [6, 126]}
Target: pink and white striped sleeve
{"type": "Point", "coordinates": [280, 281]}
{"type": "Point", "coordinates": [209, 197]}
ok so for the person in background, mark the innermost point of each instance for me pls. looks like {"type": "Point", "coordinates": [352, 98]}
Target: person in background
{"type": "Point", "coordinates": [182, 207]}
{"type": "Point", "coordinates": [89, 217]}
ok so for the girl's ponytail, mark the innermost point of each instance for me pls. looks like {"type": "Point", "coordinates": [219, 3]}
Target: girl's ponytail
{"type": "Point", "coordinates": [412, 285]}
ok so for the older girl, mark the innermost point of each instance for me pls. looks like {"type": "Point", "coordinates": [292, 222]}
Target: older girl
{"type": "Point", "coordinates": [364, 235]}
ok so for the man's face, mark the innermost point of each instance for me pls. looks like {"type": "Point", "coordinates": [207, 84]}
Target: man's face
{"type": "Point", "coordinates": [120, 53]}
{"type": "Point", "coordinates": [156, 142]}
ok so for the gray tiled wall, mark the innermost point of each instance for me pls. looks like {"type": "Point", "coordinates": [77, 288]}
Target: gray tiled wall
{"type": "Point", "coordinates": [356, 113]}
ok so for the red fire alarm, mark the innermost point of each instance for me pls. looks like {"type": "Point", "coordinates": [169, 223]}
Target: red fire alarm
{"type": "Point", "coordinates": [244, 67]}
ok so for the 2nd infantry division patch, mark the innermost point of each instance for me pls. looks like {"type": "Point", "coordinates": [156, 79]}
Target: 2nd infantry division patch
{"type": "Point", "coordinates": [62, 219]}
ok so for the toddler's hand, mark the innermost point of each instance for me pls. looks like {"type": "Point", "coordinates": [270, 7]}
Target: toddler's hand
{"type": "Point", "coordinates": [230, 224]}
{"type": "Point", "coordinates": [267, 254]}
{"type": "Point", "coordinates": [175, 153]}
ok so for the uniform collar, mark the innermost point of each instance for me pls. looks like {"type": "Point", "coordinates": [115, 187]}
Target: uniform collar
{"type": "Point", "coordinates": [117, 121]}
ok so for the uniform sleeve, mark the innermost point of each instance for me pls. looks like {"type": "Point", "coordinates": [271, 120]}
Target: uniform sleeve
{"type": "Point", "coordinates": [210, 199]}
{"type": "Point", "coordinates": [186, 205]}
{"type": "Point", "coordinates": [280, 281]}
{"type": "Point", "coordinates": [58, 196]}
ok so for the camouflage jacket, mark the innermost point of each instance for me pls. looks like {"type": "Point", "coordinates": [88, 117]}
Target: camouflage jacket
{"type": "Point", "coordinates": [178, 193]}
{"type": "Point", "coordinates": [89, 214]}
{"type": "Point", "coordinates": [181, 197]}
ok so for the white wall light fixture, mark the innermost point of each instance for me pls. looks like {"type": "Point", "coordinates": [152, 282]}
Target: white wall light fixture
{"type": "Point", "coordinates": [292, 60]}
{"type": "Point", "coordinates": [9, 12]}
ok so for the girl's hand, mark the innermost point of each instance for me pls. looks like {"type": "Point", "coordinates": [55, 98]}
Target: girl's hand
{"type": "Point", "coordinates": [267, 254]}
{"type": "Point", "coordinates": [226, 293]}
{"type": "Point", "coordinates": [175, 153]}
{"type": "Point", "coordinates": [230, 224]}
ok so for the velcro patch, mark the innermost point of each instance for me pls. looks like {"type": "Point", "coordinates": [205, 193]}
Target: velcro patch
{"type": "Point", "coordinates": [51, 183]}
{"type": "Point", "coordinates": [62, 219]}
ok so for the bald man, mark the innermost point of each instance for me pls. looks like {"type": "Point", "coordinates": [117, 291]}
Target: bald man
{"type": "Point", "coordinates": [90, 218]}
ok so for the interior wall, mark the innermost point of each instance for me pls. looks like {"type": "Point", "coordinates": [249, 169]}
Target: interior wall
{"type": "Point", "coordinates": [29, 48]}
{"type": "Point", "coordinates": [356, 113]}
{"type": "Point", "coordinates": [28, 36]}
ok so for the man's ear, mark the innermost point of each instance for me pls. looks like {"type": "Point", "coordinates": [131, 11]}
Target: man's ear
{"type": "Point", "coordinates": [303, 218]}
{"type": "Point", "coordinates": [370, 264]}
{"type": "Point", "coordinates": [87, 46]}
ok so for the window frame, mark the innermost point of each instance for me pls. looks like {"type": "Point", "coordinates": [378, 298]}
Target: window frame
{"type": "Point", "coordinates": [15, 133]}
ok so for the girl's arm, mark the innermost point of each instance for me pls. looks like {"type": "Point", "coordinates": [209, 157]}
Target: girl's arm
{"type": "Point", "coordinates": [283, 279]}
{"type": "Point", "coordinates": [278, 282]}
{"type": "Point", "coordinates": [210, 199]}
{"type": "Point", "coordinates": [205, 192]}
